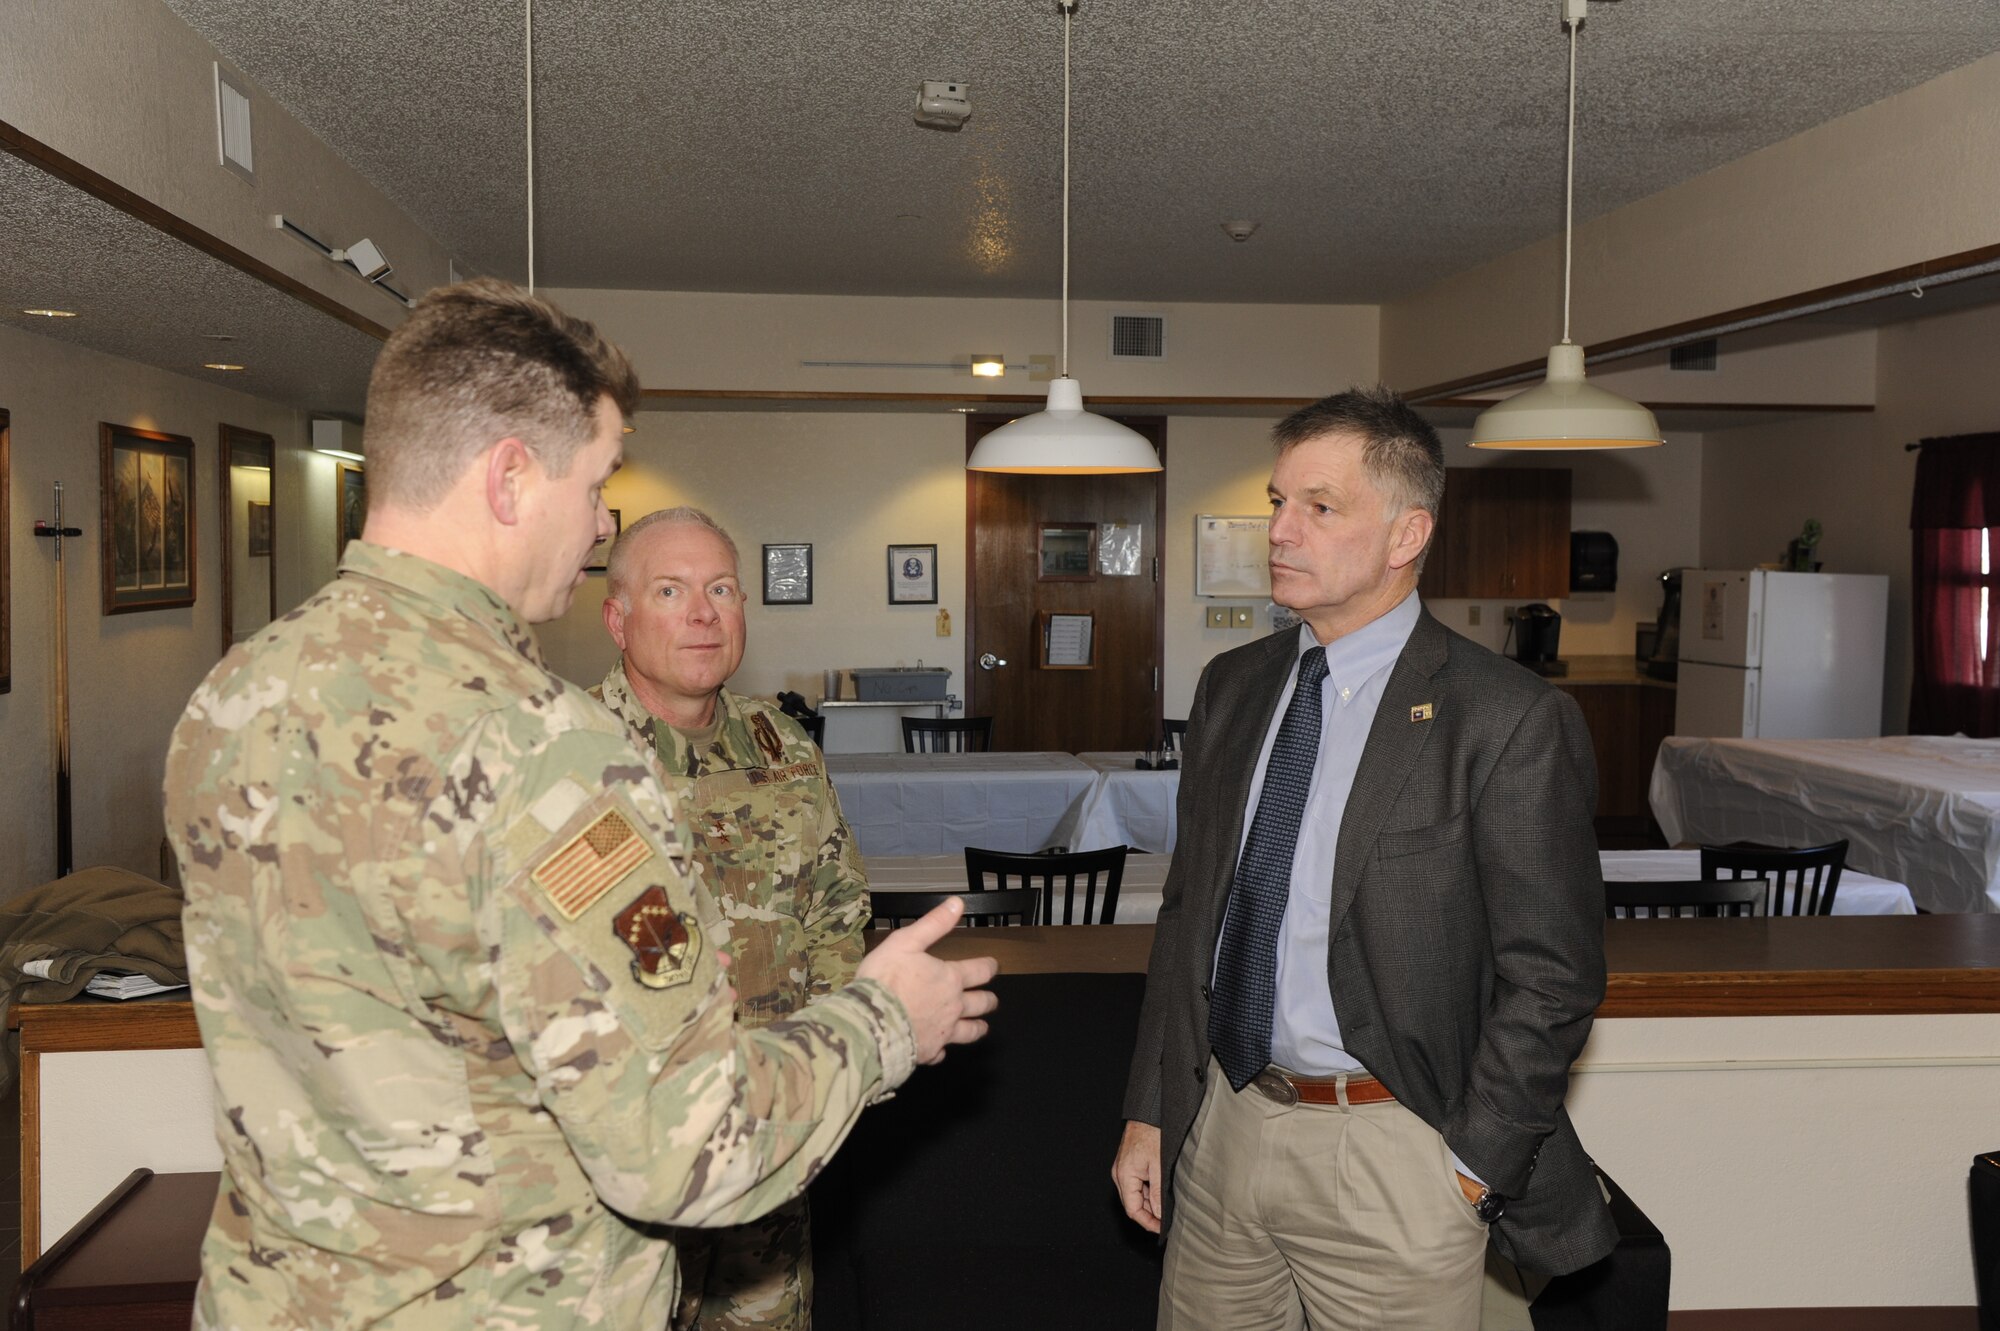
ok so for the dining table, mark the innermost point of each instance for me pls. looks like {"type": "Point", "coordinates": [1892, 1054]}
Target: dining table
{"type": "Point", "coordinates": [940, 803]}
{"type": "Point", "coordinates": [1129, 805]}
{"type": "Point", "coordinates": [1145, 879]}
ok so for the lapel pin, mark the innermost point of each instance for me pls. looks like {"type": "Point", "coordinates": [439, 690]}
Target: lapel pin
{"type": "Point", "coordinates": [1422, 712]}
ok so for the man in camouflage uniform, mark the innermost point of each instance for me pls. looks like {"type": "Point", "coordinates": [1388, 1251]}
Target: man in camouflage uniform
{"type": "Point", "coordinates": [455, 970]}
{"type": "Point", "coordinates": [768, 835]}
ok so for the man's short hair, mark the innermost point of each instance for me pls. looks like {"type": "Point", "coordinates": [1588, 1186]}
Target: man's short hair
{"type": "Point", "coordinates": [618, 569]}
{"type": "Point", "coordinates": [1400, 450]}
{"type": "Point", "coordinates": [476, 363]}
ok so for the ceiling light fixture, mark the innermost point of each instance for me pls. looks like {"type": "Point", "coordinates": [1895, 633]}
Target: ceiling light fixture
{"type": "Point", "coordinates": [218, 365]}
{"type": "Point", "coordinates": [1564, 412]}
{"type": "Point", "coordinates": [988, 367]}
{"type": "Point", "coordinates": [1064, 439]}
{"type": "Point", "coordinates": [52, 314]}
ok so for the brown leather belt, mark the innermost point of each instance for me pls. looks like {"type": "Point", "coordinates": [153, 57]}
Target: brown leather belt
{"type": "Point", "coordinates": [1289, 1088]}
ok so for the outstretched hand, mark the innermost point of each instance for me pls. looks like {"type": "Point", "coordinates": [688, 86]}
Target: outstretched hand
{"type": "Point", "coordinates": [945, 999]}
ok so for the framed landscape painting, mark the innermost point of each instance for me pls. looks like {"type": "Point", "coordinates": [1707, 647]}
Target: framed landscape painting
{"type": "Point", "coordinates": [146, 484]}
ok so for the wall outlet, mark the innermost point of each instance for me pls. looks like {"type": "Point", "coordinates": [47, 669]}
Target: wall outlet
{"type": "Point", "coordinates": [1218, 617]}
{"type": "Point", "coordinates": [1472, 616]}
{"type": "Point", "coordinates": [1239, 617]}
{"type": "Point", "coordinates": [1510, 613]}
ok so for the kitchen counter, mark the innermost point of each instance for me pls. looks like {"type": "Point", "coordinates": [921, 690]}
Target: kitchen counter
{"type": "Point", "coordinates": [1589, 670]}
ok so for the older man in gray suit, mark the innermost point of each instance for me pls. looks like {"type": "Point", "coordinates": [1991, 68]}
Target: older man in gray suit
{"type": "Point", "coordinates": [1382, 940]}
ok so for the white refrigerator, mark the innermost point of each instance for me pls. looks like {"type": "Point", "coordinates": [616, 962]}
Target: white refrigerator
{"type": "Point", "coordinates": [1769, 655]}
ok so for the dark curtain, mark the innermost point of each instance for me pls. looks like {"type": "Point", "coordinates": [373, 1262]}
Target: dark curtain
{"type": "Point", "coordinates": [1957, 494]}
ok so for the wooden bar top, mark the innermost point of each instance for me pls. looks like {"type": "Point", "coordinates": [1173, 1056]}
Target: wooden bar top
{"type": "Point", "coordinates": [1831, 965]}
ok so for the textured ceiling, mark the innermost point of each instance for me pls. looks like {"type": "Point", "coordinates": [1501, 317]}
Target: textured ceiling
{"type": "Point", "coordinates": [1382, 144]}
{"type": "Point", "coordinates": [143, 295]}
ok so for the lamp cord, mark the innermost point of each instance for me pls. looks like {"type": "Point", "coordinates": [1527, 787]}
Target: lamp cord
{"type": "Point", "coordinates": [1569, 179]}
{"type": "Point", "coordinates": [531, 144]}
{"type": "Point", "coordinates": [1068, 11]}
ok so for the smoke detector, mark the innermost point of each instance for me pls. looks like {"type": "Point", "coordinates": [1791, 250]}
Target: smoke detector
{"type": "Point", "coordinates": [944, 104]}
{"type": "Point", "coordinates": [1240, 230]}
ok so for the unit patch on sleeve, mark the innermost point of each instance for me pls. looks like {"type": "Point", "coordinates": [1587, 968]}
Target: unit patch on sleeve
{"type": "Point", "coordinates": [591, 864]}
{"type": "Point", "coordinates": [664, 942]}
{"type": "Point", "coordinates": [767, 737]}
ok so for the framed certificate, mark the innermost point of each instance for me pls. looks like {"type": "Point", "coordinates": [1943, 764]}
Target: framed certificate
{"type": "Point", "coordinates": [1232, 556]}
{"type": "Point", "coordinates": [913, 575]}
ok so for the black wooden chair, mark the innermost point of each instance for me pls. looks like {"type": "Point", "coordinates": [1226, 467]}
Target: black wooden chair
{"type": "Point", "coordinates": [1173, 736]}
{"type": "Point", "coordinates": [1090, 867]}
{"type": "Point", "coordinates": [1802, 881]}
{"type": "Point", "coordinates": [1698, 897]}
{"type": "Point", "coordinates": [971, 734]}
{"type": "Point", "coordinates": [1018, 905]}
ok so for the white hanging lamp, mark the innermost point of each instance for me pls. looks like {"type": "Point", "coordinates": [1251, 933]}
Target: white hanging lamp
{"type": "Point", "coordinates": [1063, 439]}
{"type": "Point", "coordinates": [1564, 412]}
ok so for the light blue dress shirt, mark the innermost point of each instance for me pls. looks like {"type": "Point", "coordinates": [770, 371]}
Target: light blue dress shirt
{"type": "Point", "coordinates": [1305, 1030]}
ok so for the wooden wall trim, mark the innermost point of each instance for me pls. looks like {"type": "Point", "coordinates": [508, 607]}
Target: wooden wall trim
{"type": "Point", "coordinates": [70, 171]}
{"type": "Point", "coordinates": [1763, 311]}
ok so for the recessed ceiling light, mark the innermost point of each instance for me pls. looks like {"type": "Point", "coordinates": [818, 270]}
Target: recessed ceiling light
{"type": "Point", "coordinates": [218, 365]}
{"type": "Point", "coordinates": [965, 410]}
{"type": "Point", "coordinates": [52, 314]}
{"type": "Point", "coordinates": [219, 337]}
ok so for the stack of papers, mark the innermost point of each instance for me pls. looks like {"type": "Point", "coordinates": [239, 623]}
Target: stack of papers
{"type": "Point", "coordinates": [125, 984]}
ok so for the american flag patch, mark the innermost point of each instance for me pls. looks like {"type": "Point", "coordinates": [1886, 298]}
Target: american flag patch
{"type": "Point", "coordinates": [592, 862]}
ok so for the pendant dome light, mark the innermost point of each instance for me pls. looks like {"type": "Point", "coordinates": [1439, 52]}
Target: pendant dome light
{"type": "Point", "coordinates": [1564, 412]}
{"type": "Point", "coordinates": [1064, 439]}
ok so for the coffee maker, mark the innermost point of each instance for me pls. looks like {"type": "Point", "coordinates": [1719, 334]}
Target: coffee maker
{"type": "Point", "coordinates": [1537, 633]}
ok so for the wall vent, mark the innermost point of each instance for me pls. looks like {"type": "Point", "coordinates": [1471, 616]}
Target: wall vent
{"type": "Point", "coordinates": [1138, 337]}
{"type": "Point", "coordinates": [1693, 355]}
{"type": "Point", "coordinates": [232, 123]}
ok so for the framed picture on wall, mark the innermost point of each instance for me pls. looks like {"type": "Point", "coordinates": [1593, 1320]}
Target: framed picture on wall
{"type": "Point", "coordinates": [600, 554]}
{"type": "Point", "coordinates": [350, 493]}
{"type": "Point", "coordinates": [788, 574]}
{"type": "Point", "coordinates": [260, 529]}
{"type": "Point", "coordinates": [146, 489]}
{"type": "Point", "coordinates": [913, 575]}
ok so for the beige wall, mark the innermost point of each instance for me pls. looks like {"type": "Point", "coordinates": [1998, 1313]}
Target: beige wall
{"type": "Point", "coordinates": [1935, 377]}
{"type": "Point", "coordinates": [1912, 177]}
{"type": "Point", "coordinates": [130, 674]}
{"type": "Point", "coordinates": [128, 90]}
{"type": "Point", "coordinates": [849, 484]}
{"type": "Point", "coordinates": [1648, 498]}
{"type": "Point", "coordinates": [722, 340]}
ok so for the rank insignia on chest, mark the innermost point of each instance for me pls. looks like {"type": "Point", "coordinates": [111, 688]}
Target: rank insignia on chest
{"type": "Point", "coordinates": [767, 737]}
{"type": "Point", "coordinates": [1423, 711]}
{"type": "Point", "coordinates": [591, 863]}
{"type": "Point", "coordinates": [665, 942]}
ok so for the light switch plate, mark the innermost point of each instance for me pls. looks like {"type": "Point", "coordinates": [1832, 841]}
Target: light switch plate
{"type": "Point", "coordinates": [1240, 617]}
{"type": "Point", "coordinates": [1218, 617]}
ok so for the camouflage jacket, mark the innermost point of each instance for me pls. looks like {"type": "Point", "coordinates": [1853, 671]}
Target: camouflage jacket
{"type": "Point", "coordinates": [772, 844]}
{"type": "Point", "coordinates": [455, 975]}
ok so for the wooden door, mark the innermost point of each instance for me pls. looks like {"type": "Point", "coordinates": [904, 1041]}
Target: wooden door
{"type": "Point", "coordinates": [1017, 577]}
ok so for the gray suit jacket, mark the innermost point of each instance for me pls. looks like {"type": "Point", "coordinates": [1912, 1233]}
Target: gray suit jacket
{"type": "Point", "coordinates": [1467, 928]}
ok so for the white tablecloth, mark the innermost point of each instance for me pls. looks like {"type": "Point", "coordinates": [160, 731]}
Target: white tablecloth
{"type": "Point", "coordinates": [1146, 878]}
{"type": "Point", "coordinates": [1923, 809]}
{"type": "Point", "coordinates": [931, 803]}
{"type": "Point", "coordinates": [1127, 806]}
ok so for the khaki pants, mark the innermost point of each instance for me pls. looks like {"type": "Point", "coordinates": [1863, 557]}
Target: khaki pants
{"type": "Point", "coordinates": [1337, 1218]}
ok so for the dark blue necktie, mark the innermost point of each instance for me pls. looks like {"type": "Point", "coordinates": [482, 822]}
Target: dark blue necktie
{"type": "Point", "coordinates": [1246, 963]}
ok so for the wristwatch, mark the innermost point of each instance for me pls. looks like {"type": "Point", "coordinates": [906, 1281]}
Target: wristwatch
{"type": "Point", "coordinates": [1490, 1206]}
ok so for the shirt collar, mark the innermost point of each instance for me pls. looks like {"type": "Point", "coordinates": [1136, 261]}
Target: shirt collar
{"type": "Point", "coordinates": [1355, 658]}
{"type": "Point", "coordinates": [449, 592]}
